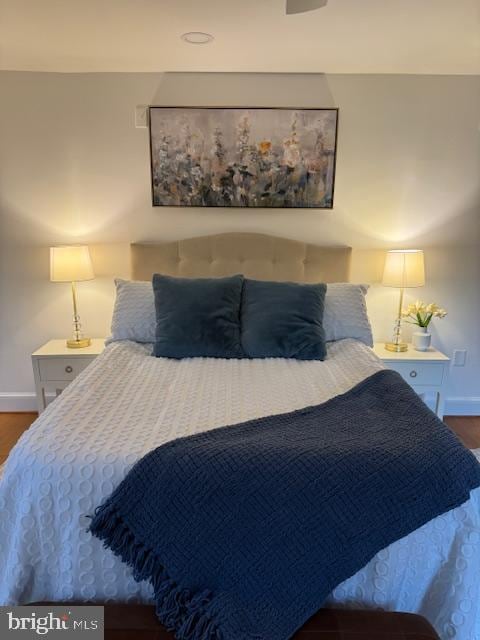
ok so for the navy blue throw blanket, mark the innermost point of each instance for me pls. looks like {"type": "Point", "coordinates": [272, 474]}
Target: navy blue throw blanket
{"type": "Point", "coordinates": [244, 531]}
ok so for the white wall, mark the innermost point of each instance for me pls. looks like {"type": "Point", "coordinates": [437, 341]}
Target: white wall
{"type": "Point", "coordinates": [74, 169]}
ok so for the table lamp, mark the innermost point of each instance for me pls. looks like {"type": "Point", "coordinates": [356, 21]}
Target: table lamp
{"type": "Point", "coordinates": [72, 264]}
{"type": "Point", "coordinates": [403, 268]}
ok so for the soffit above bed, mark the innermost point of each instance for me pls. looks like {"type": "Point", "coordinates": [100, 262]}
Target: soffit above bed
{"type": "Point", "coordinates": [259, 256]}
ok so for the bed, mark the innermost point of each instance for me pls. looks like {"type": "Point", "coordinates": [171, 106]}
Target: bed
{"type": "Point", "coordinates": [126, 403]}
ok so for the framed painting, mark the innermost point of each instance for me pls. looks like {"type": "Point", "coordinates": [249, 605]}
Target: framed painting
{"type": "Point", "coordinates": [242, 157]}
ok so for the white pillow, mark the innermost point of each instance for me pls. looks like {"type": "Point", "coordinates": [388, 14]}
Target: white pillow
{"type": "Point", "coordinates": [345, 314]}
{"type": "Point", "coordinates": [134, 312]}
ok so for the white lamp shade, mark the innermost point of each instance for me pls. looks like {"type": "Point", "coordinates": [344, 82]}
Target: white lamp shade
{"type": "Point", "coordinates": [404, 268]}
{"type": "Point", "coordinates": [69, 264]}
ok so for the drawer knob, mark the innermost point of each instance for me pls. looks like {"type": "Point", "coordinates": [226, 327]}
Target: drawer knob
{"type": "Point", "coordinates": [413, 374]}
{"type": "Point", "coordinates": [69, 369]}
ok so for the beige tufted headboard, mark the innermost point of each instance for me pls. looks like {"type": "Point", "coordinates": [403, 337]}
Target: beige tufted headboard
{"type": "Point", "coordinates": [255, 255]}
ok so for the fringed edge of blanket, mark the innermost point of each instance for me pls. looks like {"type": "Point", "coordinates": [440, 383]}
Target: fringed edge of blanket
{"type": "Point", "coordinates": [178, 609]}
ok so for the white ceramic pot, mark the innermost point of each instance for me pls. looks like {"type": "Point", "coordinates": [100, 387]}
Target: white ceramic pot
{"type": "Point", "coordinates": [421, 339]}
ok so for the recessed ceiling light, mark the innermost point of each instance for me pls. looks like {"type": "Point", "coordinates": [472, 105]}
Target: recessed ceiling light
{"type": "Point", "coordinates": [197, 37]}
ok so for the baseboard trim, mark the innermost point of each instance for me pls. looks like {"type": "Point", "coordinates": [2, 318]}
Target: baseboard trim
{"type": "Point", "coordinates": [18, 401]}
{"type": "Point", "coordinates": [462, 406]}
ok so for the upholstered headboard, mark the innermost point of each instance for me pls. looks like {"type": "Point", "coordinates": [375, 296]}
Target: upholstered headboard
{"type": "Point", "coordinates": [255, 255]}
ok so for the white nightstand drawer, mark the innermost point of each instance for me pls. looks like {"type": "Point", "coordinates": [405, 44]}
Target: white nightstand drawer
{"type": "Point", "coordinates": [419, 373]}
{"type": "Point", "coordinates": [425, 371]}
{"type": "Point", "coordinates": [57, 369]}
{"type": "Point", "coordinates": [55, 366]}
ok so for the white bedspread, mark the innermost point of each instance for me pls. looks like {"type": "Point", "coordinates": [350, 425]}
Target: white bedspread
{"type": "Point", "coordinates": [125, 404]}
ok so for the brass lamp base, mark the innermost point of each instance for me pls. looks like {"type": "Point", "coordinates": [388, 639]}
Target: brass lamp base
{"type": "Point", "coordinates": [79, 344]}
{"type": "Point", "coordinates": [397, 348]}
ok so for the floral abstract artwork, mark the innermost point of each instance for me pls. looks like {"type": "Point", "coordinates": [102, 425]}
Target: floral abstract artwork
{"type": "Point", "coordinates": [225, 157]}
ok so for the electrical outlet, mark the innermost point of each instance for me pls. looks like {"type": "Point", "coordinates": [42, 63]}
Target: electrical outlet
{"type": "Point", "coordinates": [141, 116]}
{"type": "Point", "coordinates": [459, 357]}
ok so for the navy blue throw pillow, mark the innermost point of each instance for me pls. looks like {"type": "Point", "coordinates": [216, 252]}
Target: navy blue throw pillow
{"type": "Point", "coordinates": [197, 317]}
{"type": "Point", "coordinates": [283, 320]}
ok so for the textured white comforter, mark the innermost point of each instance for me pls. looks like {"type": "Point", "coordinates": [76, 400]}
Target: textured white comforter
{"type": "Point", "coordinates": [125, 404]}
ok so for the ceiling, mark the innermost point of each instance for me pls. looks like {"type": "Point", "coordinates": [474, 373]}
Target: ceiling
{"type": "Point", "coordinates": [346, 36]}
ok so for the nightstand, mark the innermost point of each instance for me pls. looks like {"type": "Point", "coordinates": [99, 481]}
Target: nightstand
{"type": "Point", "coordinates": [55, 366]}
{"type": "Point", "coordinates": [425, 371]}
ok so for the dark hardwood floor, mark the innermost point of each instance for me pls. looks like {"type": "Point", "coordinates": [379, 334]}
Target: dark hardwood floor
{"type": "Point", "coordinates": [12, 425]}
{"type": "Point", "coordinates": [467, 428]}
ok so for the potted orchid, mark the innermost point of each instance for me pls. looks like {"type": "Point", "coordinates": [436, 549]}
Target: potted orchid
{"type": "Point", "coordinates": [421, 314]}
